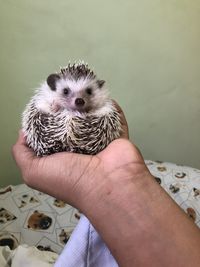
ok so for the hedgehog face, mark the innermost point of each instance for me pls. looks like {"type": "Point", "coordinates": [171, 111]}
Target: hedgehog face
{"type": "Point", "coordinates": [82, 95]}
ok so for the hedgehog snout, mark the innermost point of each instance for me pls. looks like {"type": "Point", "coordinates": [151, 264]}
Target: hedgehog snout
{"type": "Point", "coordinates": [79, 102]}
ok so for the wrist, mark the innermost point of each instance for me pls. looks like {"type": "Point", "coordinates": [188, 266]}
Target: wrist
{"type": "Point", "coordinates": [118, 189]}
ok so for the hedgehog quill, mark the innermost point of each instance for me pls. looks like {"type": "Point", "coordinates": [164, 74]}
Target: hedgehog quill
{"type": "Point", "coordinates": [71, 111]}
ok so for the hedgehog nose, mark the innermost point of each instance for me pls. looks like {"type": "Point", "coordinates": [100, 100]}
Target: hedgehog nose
{"type": "Point", "coordinates": [79, 102]}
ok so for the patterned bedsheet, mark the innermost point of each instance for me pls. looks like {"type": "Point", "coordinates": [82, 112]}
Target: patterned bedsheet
{"type": "Point", "coordinates": [36, 219]}
{"type": "Point", "coordinates": [181, 183]}
{"type": "Point", "coordinates": [30, 217]}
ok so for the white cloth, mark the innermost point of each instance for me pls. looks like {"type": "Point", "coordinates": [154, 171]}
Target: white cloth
{"type": "Point", "coordinates": [85, 248]}
{"type": "Point", "coordinates": [25, 256]}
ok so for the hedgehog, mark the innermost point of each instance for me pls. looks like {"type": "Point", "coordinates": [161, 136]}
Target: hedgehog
{"type": "Point", "coordinates": [71, 111]}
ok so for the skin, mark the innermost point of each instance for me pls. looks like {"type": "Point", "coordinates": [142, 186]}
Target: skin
{"type": "Point", "coordinates": [139, 222]}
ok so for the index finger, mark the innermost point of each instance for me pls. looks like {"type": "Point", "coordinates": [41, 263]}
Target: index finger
{"type": "Point", "coordinates": [21, 152]}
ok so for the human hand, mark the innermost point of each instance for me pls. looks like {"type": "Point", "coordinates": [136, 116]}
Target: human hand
{"type": "Point", "coordinates": [139, 222]}
{"type": "Point", "coordinates": [74, 177]}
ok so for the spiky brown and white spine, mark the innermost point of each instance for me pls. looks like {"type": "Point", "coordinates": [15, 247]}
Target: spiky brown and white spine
{"type": "Point", "coordinates": [77, 70]}
{"type": "Point", "coordinates": [86, 134]}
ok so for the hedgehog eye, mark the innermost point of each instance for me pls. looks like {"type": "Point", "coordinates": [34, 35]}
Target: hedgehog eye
{"type": "Point", "coordinates": [89, 91]}
{"type": "Point", "coordinates": [66, 91]}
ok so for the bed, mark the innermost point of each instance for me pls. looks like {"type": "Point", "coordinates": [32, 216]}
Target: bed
{"type": "Point", "coordinates": [45, 224]}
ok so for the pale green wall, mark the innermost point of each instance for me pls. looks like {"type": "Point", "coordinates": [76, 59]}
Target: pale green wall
{"type": "Point", "coordinates": [147, 50]}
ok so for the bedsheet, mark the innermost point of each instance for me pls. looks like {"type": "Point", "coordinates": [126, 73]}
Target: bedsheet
{"type": "Point", "coordinates": [182, 183]}
{"type": "Point", "coordinates": [30, 217]}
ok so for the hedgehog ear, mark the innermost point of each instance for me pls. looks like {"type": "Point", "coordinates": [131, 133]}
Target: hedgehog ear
{"type": "Point", "coordinates": [51, 80]}
{"type": "Point", "coordinates": [100, 83]}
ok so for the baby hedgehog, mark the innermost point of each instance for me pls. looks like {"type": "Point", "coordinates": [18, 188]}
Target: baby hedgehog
{"type": "Point", "coordinates": [71, 111]}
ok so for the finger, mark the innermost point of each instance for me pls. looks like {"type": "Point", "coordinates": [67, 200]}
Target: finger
{"type": "Point", "coordinates": [125, 131]}
{"type": "Point", "coordinates": [21, 138]}
{"type": "Point", "coordinates": [21, 152]}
